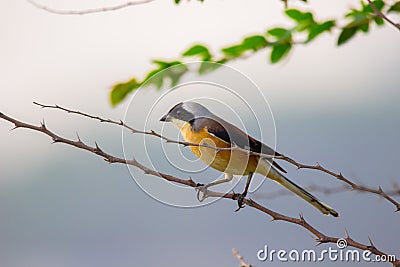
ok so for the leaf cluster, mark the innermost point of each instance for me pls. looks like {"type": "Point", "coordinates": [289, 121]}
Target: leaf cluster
{"type": "Point", "coordinates": [281, 40]}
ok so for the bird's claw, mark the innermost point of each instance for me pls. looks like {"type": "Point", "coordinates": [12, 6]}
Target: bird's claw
{"type": "Point", "coordinates": [201, 188]}
{"type": "Point", "coordinates": [239, 198]}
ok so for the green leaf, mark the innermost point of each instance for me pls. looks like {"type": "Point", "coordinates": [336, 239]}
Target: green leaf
{"type": "Point", "coordinates": [320, 28]}
{"type": "Point", "coordinates": [172, 70]}
{"type": "Point", "coordinates": [165, 64]}
{"type": "Point", "coordinates": [175, 73]}
{"type": "Point", "coordinates": [379, 21]}
{"type": "Point", "coordinates": [378, 3]}
{"type": "Point", "coordinates": [206, 67]}
{"type": "Point", "coordinates": [277, 32]}
{"type": "Point", "coordinates": [233, 51]}
{"type": "Point", "coordinates": [255, 42]}
{"type": "Point", "coordinates": [359, 20]}
{"type": "Point", "coordinates": [279, 51]}
{"type": "Point", "coordinates": [161, 64]}
{"type": "Point", "coordinates": [364, 27]}
{"type": "Point", "coordinates": [283, 35]}
{"type": "Point", "coordinates": [155, 77]}
{"type": "Point", "coordinates": [395, 7]}
{"type": "Point", "coordinates": [198, 50]}
{"type": "Point", "coordinates": [121, 90]}
{"type": "Point", "coordinates": [151, 74]}
{"type": "Point", "coordinates": [346, 34]}
{"type": "Point", "coordinates": [299, 16]}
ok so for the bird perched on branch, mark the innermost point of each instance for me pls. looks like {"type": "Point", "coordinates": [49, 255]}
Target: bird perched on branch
{"type": "Point", "coordinates": [210, 133]}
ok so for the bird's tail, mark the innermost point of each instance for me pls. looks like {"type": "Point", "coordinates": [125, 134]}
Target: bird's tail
{"type": "Point", "coordinates": [282, 180]}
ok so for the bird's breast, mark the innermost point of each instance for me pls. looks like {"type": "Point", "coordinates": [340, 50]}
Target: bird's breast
{"type": "Point", "coordinates": [235, 162]}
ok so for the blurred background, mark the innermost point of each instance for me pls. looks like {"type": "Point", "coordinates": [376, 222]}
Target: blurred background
{"type": "Point", "coordinates": [60, 206]}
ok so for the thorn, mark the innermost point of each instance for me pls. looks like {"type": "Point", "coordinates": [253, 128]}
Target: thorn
{"type": "Point", "coordinates": [301, 217]}
{"type": "Point", "coordinates": [43, 124]}
{"type": "Point", "coordinates": [98, 149]}
{"type": "Point", "coordinates": [15, 127]}
{"type": "Point", "coordinates": [370, 242]}
{"type": "Point", "coordinates": [79, 139]}
{"type": "Point", "coordinates": [316, 238]}
{"type": "Point", "coordinates": [190, 180]}
{"type": "Point", "coordinates": [347, 234]}
{"type": "Point", "coordinates": [380, 190]}
{"type": "Point", "coordinates": [55, 140]}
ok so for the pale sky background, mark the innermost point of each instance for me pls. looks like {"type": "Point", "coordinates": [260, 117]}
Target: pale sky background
{"type": "Point", "coordinates": [63, 207]}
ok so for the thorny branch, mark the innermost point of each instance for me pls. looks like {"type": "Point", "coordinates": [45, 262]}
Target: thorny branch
{"type": "Point", "coordinates": [317, 166]}
{"type": "Point", "coordinates": [88, 11]}
{"type": "Point", "coordinates": [318, 236]}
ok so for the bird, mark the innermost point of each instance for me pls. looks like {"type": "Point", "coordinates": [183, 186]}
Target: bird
{"type": "Point", "coordinates": [209, 133]}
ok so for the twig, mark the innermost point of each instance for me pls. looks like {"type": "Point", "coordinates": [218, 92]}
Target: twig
{"type": "Point", "coordinates": [378, 13]}
{"type": "Point", "coordinates": [240, 258]}
{"type": "Point", "coordinates": [317, 166]}
{"type": "Point", "coordinates": [96, 150]}
{"type": "Point", "coordinates": [340, 177]}
{"type": "Point", "coordinates": [319, 236]}
{"type": "Point", "coordinates": [88, 11]}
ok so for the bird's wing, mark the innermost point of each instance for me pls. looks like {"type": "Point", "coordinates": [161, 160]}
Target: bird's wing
{"type": "Point", "coordinates": [233, 135]}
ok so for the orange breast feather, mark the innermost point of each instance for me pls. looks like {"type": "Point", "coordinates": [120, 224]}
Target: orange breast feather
{"type": "Point", "coordinates": [233, 162]}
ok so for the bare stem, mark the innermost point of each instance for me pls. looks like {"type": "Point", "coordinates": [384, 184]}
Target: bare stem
{"type": "Point", "coordinates": [88, 11]}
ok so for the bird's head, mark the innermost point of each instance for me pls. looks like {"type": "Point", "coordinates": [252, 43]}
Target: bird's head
{"type": "Point", "coordinates": [185, 112]}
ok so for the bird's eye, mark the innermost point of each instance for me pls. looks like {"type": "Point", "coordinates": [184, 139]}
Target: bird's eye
{"type": "Point", "coordinates": [178, 112]}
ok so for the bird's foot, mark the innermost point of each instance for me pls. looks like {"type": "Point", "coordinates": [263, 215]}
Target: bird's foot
{"type": "Point", "coordinates": [239, 198]}
{"type": "Point", "coordinates": [201, 188]}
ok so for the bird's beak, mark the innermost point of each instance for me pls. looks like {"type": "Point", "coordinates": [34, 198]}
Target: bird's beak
{"type": "Point", "coordinates": [165, 118]}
